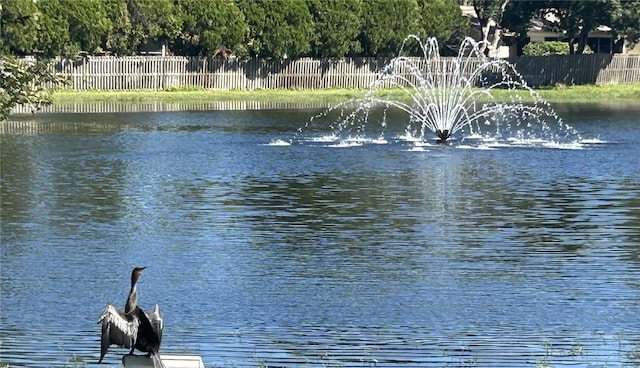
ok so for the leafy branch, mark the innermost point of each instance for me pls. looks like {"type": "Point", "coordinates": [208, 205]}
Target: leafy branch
{"type": "Point", "coordinates": [25, 82]}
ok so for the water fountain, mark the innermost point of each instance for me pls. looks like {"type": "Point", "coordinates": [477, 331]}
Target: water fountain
{"type": "Point", "coordinates": [484, 97]}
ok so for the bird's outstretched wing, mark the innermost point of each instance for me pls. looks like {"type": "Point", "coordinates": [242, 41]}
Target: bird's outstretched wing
{"type": "Point", "coordinates": [116, 330]}
{"type": "Point", "coordinates": [155, 318]}
{"type": "Point", "coordinates": [148, 341]}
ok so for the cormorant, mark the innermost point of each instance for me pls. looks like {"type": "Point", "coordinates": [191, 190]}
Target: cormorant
{"type": "Point", "coordinates": [132, 328]}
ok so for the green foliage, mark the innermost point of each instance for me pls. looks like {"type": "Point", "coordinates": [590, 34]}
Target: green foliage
{"type": "Point", "coordinates": [576, 18]}
{"type": "Point", "coordinates": [24, 83]}
{"type": "Point", "coordinates": [579, 17]}
{"type": "Point", "coordinates": [387, 24]}
{"type": "Point", "coordinates": [184, 88]}
{"type": "Point", "coordinates": [278, 28]}
{"type": "Point", "coordinates": [207, 25]}
{"type": "Point", "coordinates": [87, 23]}
{"type": "Point", "coordinates": [18, 27]}
{"type": "Point", "coordinates": [443, 20]}
{"type": "Point", "coordinates": [337, 26]}
{"type": "Point", "coordinates": [53, 30]}
{"type": "Point", "coordinates": [67, 27]}
{"type": "Point", "coordinates": [292, 28]}
{"type": "Point", "coordinates": [626, 20]}
{"type": "Point", "coordinates": [488, 9]}
{"type": "Point", "coordinates": [517, 15]}
{"type": "Point", "coordinates": [516, 19]}
{"type": "Point", "coordinates": [152, 21]}
{"type": "Point", "coordinates": [546, 48]}
{"type": "Point", "coordinates": [118, 39]}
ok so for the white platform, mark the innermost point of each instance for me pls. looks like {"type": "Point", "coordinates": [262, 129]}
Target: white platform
{"type": "Point", "coordinates": [170, 361]}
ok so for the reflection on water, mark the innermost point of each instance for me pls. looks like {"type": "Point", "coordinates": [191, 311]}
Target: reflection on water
{"type": "Point", "coordinates": [299, 255]}
{"type": "Point", "coordinates": [160, 106]}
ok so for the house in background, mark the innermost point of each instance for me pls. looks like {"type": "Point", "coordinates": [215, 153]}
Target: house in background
{"type": "Point", "coordinates": [541, 29]}
{"type": "Point", "coordinates": [502, 50]}
{"type": "Point", "coordinates": [600, 41]}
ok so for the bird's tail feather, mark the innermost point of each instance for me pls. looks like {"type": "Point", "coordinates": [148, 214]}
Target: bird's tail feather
{"type": "Point", "coordinates": [157, 362]}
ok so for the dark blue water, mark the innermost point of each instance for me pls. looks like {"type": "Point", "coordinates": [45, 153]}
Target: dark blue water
{"type": "Point", "coordinates": [265, 253]}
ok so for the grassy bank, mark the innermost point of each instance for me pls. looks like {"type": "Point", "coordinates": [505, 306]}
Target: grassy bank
{"type": "Point", "coordinates": [593, 93]}
{"type": "Point", "coordinates": [328, 96]}
{"type": "Point", "coordinates": [627, 93]}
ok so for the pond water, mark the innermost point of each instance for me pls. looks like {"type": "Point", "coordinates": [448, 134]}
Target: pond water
{"type": "Point", "coordinates": [295, 255]}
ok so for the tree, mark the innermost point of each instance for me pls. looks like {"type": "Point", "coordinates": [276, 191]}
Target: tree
{"type": "Point", "coordinates": [626, 20]}
{"type": "Point", "coordinates": [24, 82]}
{"type": "Point", "coordinates": [579, 17]}
{"type": "Point", "coordinates": [277, 28]}
{"type": "Point", "coordinates": [53, 30]}
{"type": "Point", "coordinates": [207, 25]}
{"type": "Point", "coordinates": [489, 14]}
{"type": "Point", "coordinates": [337, 26]}
{"type": "Point", "coordinates": [152, 21]}
{"type": "Point", "coordinates": [118, 38]}
{"type": "Point", "coordinates": [443, 20]}
{"type": "Point", "coordinates": [387, 24]}
{"type": "Point", "coordinates": [67, 27]}
{"type": "Point", "coordinates": [18, 27]}
{"type": "Point", "coordinates": [546, 48]}
{"type": "Point", "coordinates": [88, 23]}
{"type": "Point", "coordinates": [517, 18]}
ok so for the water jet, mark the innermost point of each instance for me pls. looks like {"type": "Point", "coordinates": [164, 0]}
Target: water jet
{"type": "Point", "coordinates": [469, 95]}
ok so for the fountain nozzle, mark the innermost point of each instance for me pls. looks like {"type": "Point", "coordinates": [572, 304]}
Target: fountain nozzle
{"type": "Point", "coordinates": [443, 135]}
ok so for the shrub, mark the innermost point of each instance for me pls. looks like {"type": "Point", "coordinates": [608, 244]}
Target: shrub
{"type": "Point", "coordinates": [546, 48]}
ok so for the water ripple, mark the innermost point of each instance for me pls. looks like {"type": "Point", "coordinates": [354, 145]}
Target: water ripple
{"type": "Point", "coordinates": [306, 255]}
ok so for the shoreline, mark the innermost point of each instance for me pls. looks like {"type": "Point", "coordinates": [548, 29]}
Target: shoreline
{"type": "Point", "coordinates": [611, 97]}
{"type": "Point", "coordinates": [622, 93]}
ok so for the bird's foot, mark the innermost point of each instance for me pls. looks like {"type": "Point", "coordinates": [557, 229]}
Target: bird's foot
{"type": "Point", "coordinates": [126, 355]}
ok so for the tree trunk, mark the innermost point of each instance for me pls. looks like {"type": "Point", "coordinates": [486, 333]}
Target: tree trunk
{"type": "Point", "coordinates": [571, 48]}
{"type": "Point", "coordinates": [484, 28]}
{"type": "Point", "coordinates": [489, 13]}
{"type": "Point", "coordinates": [582, 40]}
{"type": "Point", "coordinates": [497, 34]}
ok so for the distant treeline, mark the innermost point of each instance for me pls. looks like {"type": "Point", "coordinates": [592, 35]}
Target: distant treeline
{"type": "Point", "coordinates": [292, 29]}
{"type": "Point", "coordinates": [247, 28]}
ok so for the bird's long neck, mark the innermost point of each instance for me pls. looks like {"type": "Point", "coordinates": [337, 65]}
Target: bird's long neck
{"type": "Point", "coordinates": [132, 299]}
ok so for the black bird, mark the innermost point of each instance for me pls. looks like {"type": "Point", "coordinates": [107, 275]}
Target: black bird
{"type": "Point", "coordinates": [132, 328]}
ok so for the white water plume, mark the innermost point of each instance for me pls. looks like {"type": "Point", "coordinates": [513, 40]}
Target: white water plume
{"type": "Point", "coordinates": [461, 97]}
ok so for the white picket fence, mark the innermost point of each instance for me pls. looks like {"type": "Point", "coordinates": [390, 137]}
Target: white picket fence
{"type": "Point", "coordinates": [160, 73]}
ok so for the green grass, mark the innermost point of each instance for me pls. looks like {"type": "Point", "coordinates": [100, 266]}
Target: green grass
{"type": "Point", "coordinates": [593, 93]}
{"type": "Point", "coordinates": [627, 93]}
{"type": "Point", "coordinates": [200, 95]}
